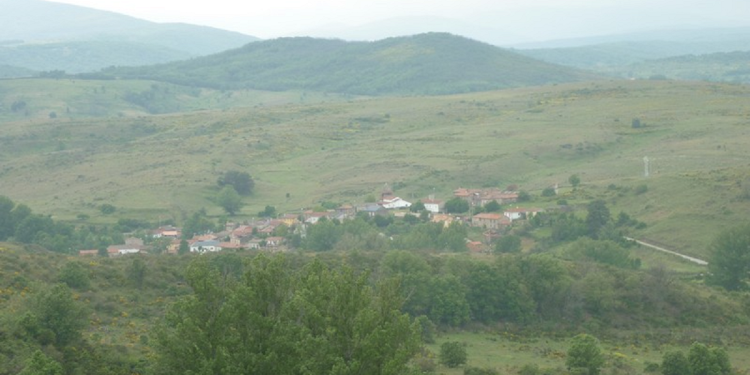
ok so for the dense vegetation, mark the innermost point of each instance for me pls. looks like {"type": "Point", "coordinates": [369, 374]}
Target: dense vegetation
{"type": "Point", "coordinates": [86, 56]}
{"type": "Point", "coordinates": [426, 64]}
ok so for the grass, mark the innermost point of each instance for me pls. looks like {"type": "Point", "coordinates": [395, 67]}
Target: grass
{"type": "Point", "coordinates": [165, 166]}
{"type": "Point", "coordinates": [507, 352]}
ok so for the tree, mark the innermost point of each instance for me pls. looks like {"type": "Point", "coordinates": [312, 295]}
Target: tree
{"type": "Point", "coordinates": [279, 320]}
{"type": "Point", "coordinates": [492, 206]}
{"type": "Point", "coordinates": [229, 200]}
{"type": "Point", "coordinates": [241, 182]}
{"type": "Point", "coordinates": [452, 354]}
{"type": "Point", "coordinates": [508, 244]}
{"type": "Point", "coordinates": [184, 247]}
{"type": "Point", "coordinates": [708, 361]}
{"type": "Point", "coordinates": [7, 222]}
{"type": "Point", "coordinates": [675, 363]}
{"type": "Point", "coordinates": [584, 354]}
{"type": "Point", "coordinates": [597, 217]}
{"type": "Point", "coordinates": [75, 275]}
{"type": "Point", "coordinates": [137, 272]}
{"type": "Point", "coordinates": [548, 192]}
{"type": "Point", "coordinates": [524, 196]}
{"type": "Point", "coordinates": [269, 211]}
{"type": "Point", "coordinates": [58, 316]}
{"type": "Point", "coordinates": [453, 238]}
{"type": "Point", "coordinates": [574, 181]}
{"type": "Point", "coordinates": [107, 209]}
{"type": "Point", "coordinates": [197, 223]}
{"type": "Point", "coordinates": [456, 206]}
{"type": "Point", "coordinates": [417, 207]}
{"type": "Point", "coordinates": [729, 262]}
{"type": "Point", "coordinates": [40, 364]}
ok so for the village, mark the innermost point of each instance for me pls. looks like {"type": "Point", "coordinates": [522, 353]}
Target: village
{"type": "Point", "coordinates": [270, 234]}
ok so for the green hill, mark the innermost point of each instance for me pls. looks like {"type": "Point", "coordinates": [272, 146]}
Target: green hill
{"type": "Point", "coordinates": [167, 165]}
{"type": "Point", "coordinates": [43, 34]}
{"type": "Point", "coordinates": [86, 56]}
{"type": "Point", "coordinates": [425, 64]}
{"type": "Point", "coordinates": [600, 53]}
{"type": "Point", "coordinates": [721, 67]}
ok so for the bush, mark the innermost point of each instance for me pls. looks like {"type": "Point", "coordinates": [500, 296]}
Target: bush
{"type": "Point", "coordinates": [452, 354]}
{"type": "Point", "coordinates": [75, 276]}
{"type": "Point", "coordinates": [480, 371]}
{"type": "Point", "coordinates": [548, 192]}
{"type": "Point", "coordinates": [640, 189]}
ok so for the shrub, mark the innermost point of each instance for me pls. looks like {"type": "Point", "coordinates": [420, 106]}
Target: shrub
{"type": "Point", "coordinates": [452, 354]}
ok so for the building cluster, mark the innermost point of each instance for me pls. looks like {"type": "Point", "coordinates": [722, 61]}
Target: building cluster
{"type": "Point", "coordinates": [263, 233]}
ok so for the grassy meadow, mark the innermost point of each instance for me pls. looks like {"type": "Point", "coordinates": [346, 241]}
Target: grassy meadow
{"type": "Point", "coordinates": [304, 148]}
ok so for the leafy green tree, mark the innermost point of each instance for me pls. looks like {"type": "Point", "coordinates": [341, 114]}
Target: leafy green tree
{"type": "Point", "coordinates": [59, 318]}
{"type": "Point", "coordinates": [448, 305]}
{"type": "Point", "coordinates": [452, 354]}
{"type": "Point", "coordinates": [40, 364]}
{"type": "Point", "coordinates": [524, 196]}
{"type": "Point", "coordinates": [322, 236]}
{"type": "Point", "coordinates": [7, 222]}
{"type": "Point", "coordinates": [675, 363]}
{"type": "Point", "coordinates": [574, 181]}
{"type": "Point", "coordinates": [548, 192]}
{"type": "Point", "coordinates": [597, 217]}
{"type": "Point", "coordinates": [196, 224]}
{"type": "Point", "coordinates": [708, 361]}
{"type": "Point", "coordinates": [729, 262]}
{"type": "Point", "coordinates": [585, 354]}
{"type": "Point", "coordinates": [229, 200]}
{"type": "Point", "coordinates": [184, 247]}
{"type": "Point", "coordinates": [276, 320]}
{"type": "Point", "coordinates": [107, 209]}
{"type": "Point", "coordinates": [416, 277]}
{"type": "Point", "coordinates": [508, 244]}
{"type": "Point", "coordinates": [417, 207]}
{"type": "Point", "coordinates": [137, 272]}
{"type": "Point", "coordinates": [30, 228]}
{"type": "Point", "coordinates": [453, 238]}
{"type": "Point", "coordinates": [75, 275]}
{"type": "Point", "coordinates": [269, 211]}
{"type": "Point", "coordinates": [492, 206]}
{"type": "Point", "coordinates": [456, 206]}
{"type": "Point", "coordinates": [602, 251]}
{"type": "Point", "coordinates": [241, 182]}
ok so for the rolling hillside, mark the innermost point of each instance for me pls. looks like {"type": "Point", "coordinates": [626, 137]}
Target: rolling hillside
{"type": "Point", "coordinates": [695, 135]}
{"type": "Point", "coordinates": [615, 54]}
{"type": "Point", "coordinates": [85, 56]}
{"type": "Point", "coordinates": [426, 64]}
{"type": "Point", "coordinates": [35, 31]}
{"type": "Point", "coordinates": [721, 67]}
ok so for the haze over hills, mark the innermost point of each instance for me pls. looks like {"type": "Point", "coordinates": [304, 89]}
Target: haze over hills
{"type": "Point", "coordinates": [624, 49]}
{"type": "Point", "coordinates": [401, 26]}
{"type": "Point", "coordinates": [433, 63]}
{"type": "Point", "coordinates": [41, 35]}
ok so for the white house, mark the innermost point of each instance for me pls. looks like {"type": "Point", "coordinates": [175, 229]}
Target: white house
{"type": "Point", "coordinates": [395, 202]}
{"type": "Point", "coordinates": [433, 205]}
{"type": "Point", "coordinates": [205, 246]}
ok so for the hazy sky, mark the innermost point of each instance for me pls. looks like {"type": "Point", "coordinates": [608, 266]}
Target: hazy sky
{"type": "Point", "coordinates": [529, 19]}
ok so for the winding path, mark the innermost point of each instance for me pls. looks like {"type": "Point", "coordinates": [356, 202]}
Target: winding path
{"type": "Point", "coordinates": [683, 256]}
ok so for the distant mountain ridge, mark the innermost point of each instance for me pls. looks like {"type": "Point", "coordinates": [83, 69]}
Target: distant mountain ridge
{"type": "Point", "coordinates": [36, 22]}
{"type": "Point", "coordinates": [620, 50]}
{"type": "Point", "coordinates": [432, 63]}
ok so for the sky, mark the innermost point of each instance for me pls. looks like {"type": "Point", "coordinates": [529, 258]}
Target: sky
{"type": "Point", "coordinates": [520, 20]}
